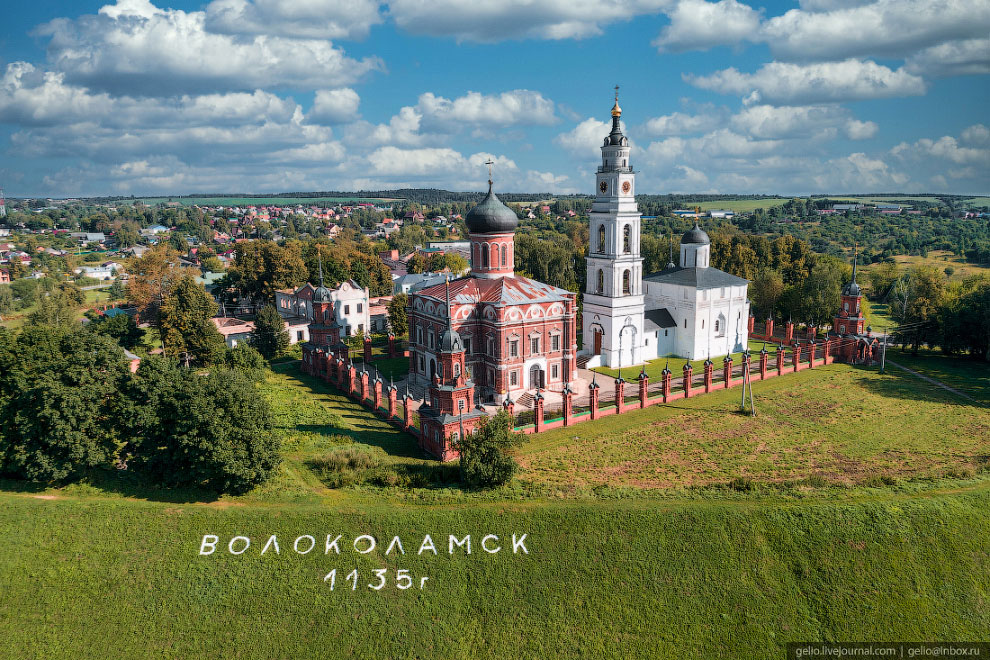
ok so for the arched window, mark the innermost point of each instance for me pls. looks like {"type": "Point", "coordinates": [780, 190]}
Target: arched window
{"type": "Point", "coordinates": [625, 282]}
{"type": "Point", "coordinates": [484, 256]}
{"type": "Point", "coordinates": [457, 369]}
{"type": "Point", "coordinates": [601, 281]}
{"type": "Point", "coordinates": [845, 306]}
{"type": "Point", "coordinates": [601, 238]}
{"type": "Point", "coordinates": [477, 254]}
{"type": "Point", "coordinates": [626, 239]}
{"type": "Point", "coordinates": [505, 252]}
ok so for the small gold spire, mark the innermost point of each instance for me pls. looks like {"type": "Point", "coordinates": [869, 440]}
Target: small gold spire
{"type": "Point", "coordinates": [616, 110]}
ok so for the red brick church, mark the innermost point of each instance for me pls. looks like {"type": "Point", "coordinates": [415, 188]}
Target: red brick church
{"type": "Point", "coordinates": [489, 336]}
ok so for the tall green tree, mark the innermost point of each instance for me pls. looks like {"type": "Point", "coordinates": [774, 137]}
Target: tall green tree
{"type": "Point", "coordinates": [210, 431]}
{"type": "Point", "coordinates": [917, 299]}
{"type": "Point", "coordinates": [270, 337]}
{"type": "Point", "coordinates": [63, 412]}
{"type": "Point", "coordinates": [765, 291]}
{"type": "Point", "coordinates": [398, 317]}
{"type": "Point", "coordinates": [486, 455]}
{"type": "Point", "coordinates": [188, 332]}
{"type": "Point", "coordinates": [56, 309]}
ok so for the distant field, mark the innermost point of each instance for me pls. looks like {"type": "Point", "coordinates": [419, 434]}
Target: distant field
{"type": "Point", "coordinates": [260, 201]}
{"type": "Point", "coordinates": [979, 201]}
{"type": "Point", "coordinates": [838, 423]}
{"type": "Point", "coordinates": [887, 200]}
{"type": "Point", "coordinates": [939, 259]}
{"type": "Point", "coordinates": [738, 205]}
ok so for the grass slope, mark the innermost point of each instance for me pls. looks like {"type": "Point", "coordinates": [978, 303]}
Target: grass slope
{"type": "Point", "coordinates": [629, 579]}
{"type": "Point", "coordinates": [837, 423]}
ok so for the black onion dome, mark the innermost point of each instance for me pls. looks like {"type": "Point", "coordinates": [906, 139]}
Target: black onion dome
{"type": "Point", "coordinates": [696, 235]}
{"type": "Point", "coordinates": [851, 289]}
{"type": "Point", "coordinates": [450, 341]}
{"type": "Point", "coordinates": [491, 216]}
{"type": "Point", "coordinates": [321, 295]}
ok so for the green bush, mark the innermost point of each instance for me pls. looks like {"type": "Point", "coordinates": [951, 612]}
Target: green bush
{"type": "Point", "coordinates": [485, 455]}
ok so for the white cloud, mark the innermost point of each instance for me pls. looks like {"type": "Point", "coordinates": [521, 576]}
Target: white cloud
{"type": "Point", "coordinates": [30, 97]}
{"type": "Point", "coordinates": [700, 25]}
{"type": "Point", "coordinates": [497, 20]}
{"type": "Point", "coordinates": [890, 28]}
{"type": "Point", "coordinates": [516, 107]}
{"type": "Point", "coordinates": [133, 47]}
{"type": "Point", "coordinates": [680, 123]}
{"type": "Point", "coordinates": [311, 19]}
{"type": "Point", "coordinates": [946, 148]}
{"type": "Point", "coordinates": [977, 134]}
{"type": "Point", "coordinates": [859, 172]}
{"type": "Point", "coordinates": [955, 58]}
{"type": "Point", "coordinates": [824, 82]}
{"type": "Point", "coordinates": [767, 121]}
{"type": "Point", "coordinates": [334, 106]}
{"type": "Point", "coordinates": [860, 130]}
{"type": "Point", "coordinates": [584, 139]}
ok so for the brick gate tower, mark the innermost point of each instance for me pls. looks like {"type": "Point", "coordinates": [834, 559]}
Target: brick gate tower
{"type": "Point", "coordinates": [449, 411]}
{"type": "Point", "coordinates": [849, 320]}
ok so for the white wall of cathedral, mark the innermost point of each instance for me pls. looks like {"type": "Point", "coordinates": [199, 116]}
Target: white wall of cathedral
{"type": "Point", "coordinates": [708, 321]}
{"type": "Point", "coordinates": [694, 255]}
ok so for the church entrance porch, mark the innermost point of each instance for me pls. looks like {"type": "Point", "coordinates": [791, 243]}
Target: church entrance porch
{"type": "Point", "coordinates": [598, 343]}
{"type": "Point", "coordinates": [536, 377]}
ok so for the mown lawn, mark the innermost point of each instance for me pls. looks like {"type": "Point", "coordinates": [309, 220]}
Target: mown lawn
{"type": "Point", "coordinates": [96, 578]}
{"type": "Point", "coordinates": [966, 374]}
{"type": "Point", "coordinates": [838, 423]}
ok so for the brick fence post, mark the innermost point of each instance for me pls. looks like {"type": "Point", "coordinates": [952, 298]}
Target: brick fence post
{"type": "Point", "coordinates": [796, 357]}
{"type": "Point", "coordinates": [811, 354]}
{"type": "Point", "coordinates": [620, 386]}
{"type": "Point", "coordinates": [391, 401]}
{"type": "Point", "coordinates": [364, 385]}
{"type": "Point", "coordinates": [764, 359]}
{"type": "Point", "coordinates": [508, 404]}
{"type": "Point", "coordinates": [788, 332]}
{"type": "Point", "coordinates": [367, 349]}
{"type": "Point", "coordinates": [644, 383]}
{"type": "Point", "coordinates": [750, 324]}
{"type": "Point", "coordinates": [780, 359]}
{"type": "Point", "coordinates": [538, 417]}
{"type": "Point", "coordinates": [709, 369]}
{"type": "Point", "coordinates": [727, 371]}
{"type": "Point", "coordinates": [593, 394]}
{"type": "Point", "coordinates": [688, 375]}
{"type": "Point", "coordinates": [407, 423]}
{"type": "Point", "coordinates": [391, 345]}
{"type": "Point", "coordinates": [568, 397]}
{"type": "Point", "coordinates": [769, 328]}
{"type": "Point", "coordinates": [352, 379]}
{"type": "Point", "coordinates": [828, 350]}
{"type": "Point", "coordinates": [378, 393]}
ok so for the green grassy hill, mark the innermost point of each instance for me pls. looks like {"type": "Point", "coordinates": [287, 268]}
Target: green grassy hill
{"type": "Point", "coordinates": [97, 578]}
{"type": "Point", "coordinates": [856, 506]}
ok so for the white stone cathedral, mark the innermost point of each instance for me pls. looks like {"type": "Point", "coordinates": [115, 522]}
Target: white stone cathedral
{"type": "Point", "coordinates": [691, 311]}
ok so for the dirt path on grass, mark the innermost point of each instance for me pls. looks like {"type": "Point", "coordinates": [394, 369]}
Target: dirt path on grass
{"type": "Point", "coordinates": [934, 382]}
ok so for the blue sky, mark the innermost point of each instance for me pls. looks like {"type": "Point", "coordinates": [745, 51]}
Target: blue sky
{"type": "Point", "coordinates": [147, 97]}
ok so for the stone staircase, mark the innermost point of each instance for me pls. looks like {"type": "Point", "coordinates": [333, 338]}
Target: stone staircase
{"type": "Point", "coordinates": [525, 400]}
{"type": "Point", "coordinates": [582, 361]}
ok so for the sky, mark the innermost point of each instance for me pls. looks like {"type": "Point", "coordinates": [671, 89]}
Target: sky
{"type": "Point", "coordinates": [254, 96]}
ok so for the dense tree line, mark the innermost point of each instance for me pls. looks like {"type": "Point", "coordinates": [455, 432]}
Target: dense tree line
{"type": "Point", "coordinates": [69, 405]}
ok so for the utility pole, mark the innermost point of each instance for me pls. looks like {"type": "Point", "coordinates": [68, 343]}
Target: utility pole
{"type": "Point", "coordinates": [747, 383]}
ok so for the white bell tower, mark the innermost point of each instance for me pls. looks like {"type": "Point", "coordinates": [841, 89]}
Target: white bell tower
{"type": "Point", "coordinates": [613, 300]}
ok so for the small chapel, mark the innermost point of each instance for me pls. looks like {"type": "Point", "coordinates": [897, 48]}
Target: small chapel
{"type": "Point", "coordinates": [691, 310]}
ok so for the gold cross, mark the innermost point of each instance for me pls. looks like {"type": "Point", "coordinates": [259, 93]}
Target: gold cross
{"type": "Point", "coordinates": [489, 163]}
{"type": "Point", "coordinates": [616, 93]}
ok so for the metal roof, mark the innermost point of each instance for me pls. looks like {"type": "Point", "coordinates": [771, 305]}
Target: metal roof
{"type": "Point", "coordinates": [659, 318]}
{"type": "Point", "coordinates": [699, 278]}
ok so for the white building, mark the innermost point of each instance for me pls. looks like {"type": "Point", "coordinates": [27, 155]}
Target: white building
{"type": "Point", "coordinates": [351, 308]}
{"type": "Point", "coordinates": [613, 302]}
{"type": "Point", "coordinates": [698, 311]}
{"type": "Point", "coordinates": [692, 311]}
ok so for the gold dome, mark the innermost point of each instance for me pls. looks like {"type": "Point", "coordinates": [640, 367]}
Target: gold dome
{"type": "Point", "coordinates": [616, 110]}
